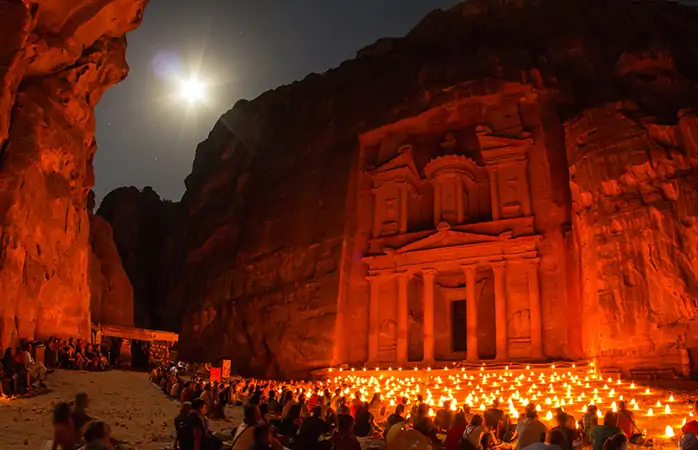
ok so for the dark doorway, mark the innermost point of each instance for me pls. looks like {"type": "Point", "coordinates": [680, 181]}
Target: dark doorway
{"type": "Point", "coordinates": [693, 359]}
{"type": "Point", "coordinates": [458, 329]}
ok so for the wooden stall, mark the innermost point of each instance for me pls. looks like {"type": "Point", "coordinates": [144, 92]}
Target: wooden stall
{"type": "Point", "coordinates": [157, 343]}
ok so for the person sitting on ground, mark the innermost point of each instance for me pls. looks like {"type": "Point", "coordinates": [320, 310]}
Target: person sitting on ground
{"type": "Point", "coordinates": [363, 421]}
{"type": "Point", "coordinates": [287, 402]}
{"type": "Point", "coordinates": [688, 441]}
{"type": "Point", "coordinates": [626, 419]}
{"type": "Point", "coordinates": [455, 432]}
{"type": "Point", "coordinates": [394, 419]}
{"type": "Point", "coordinates": [79, 415]}
{"type": "Point", "coordinates": [530, 430]}
{"type": "Point", "coordinates": [692, 426]}
{"type": "Point", "coordinates": [570, 435]}
{"type": "Point", "coordinates": [311, 430]}
{"type": "Point", "coordinates": [290, 425]}
{"type": "Point", "coordinates": [262, 438]}
{"type": "Point", "coordinates": [495, 419]}
{"type": "Point", "coordinates": [343, 437]}
{"type": "Point", "coordinates": [616, 442]}
{"type": "Point", "coordinates": [569, 422]}
{"type": "Point", "coordinates": [176, 388]}
{"type": "Point", "coordinates": [376, 408]}
{"type": "Point", "coordinates": [8, 369]}
{"type": "Point", "coordinates": [63, 429]}
{"type": "Point", "coordinates": [424, 424]}
{"type": "Point", "coordinates": [590, 420]}
{"type": "Point", "coordinates": [444, 416]}
{"type": "Point", "coordinates": [180, 422]}
{"type": "Point", "coordinates": [473, 433]}
{"type": "Point", "coordinates": [601, 433]}
{"type": "Point", "coordinates": [273, 405]}
{"type": "Point", "coordinates": [97, 436]}
{"type": "Point", "coordinates": [187, 394]}
{"type": "Point", "coordinates": [197, 435]}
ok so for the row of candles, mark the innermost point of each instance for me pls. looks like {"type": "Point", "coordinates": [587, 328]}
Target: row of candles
{"type": "Point", "coordinates": [568, 387]}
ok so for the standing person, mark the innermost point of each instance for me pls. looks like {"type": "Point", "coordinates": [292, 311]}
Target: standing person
{"type": "Point", "coordinates": [79, 414]}
{"type": "Point", "coordinates": [530, 429]}
{"type": "Point", "coordinates": [444, 416]}
{"type": "Point", "coordinates": [626, 419]}
{"type": "Point", "coordinates": [180, 422]}
{"type": "Point", "coordinates": [8, 368]}
{"type": "Point", "coordinates": [63, 430]}
{"type": "Point", "coordinates": [601, 433]}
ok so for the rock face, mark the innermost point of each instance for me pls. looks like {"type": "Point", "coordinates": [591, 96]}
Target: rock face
{"type": "Point", "coordinates": [265, 261]}
{"type": "Point", "coordinates": [142, 223]}
{"type": "Point", "coordinates": [57, 59]}
{"type": "Point", "coordinates": [111, 294]}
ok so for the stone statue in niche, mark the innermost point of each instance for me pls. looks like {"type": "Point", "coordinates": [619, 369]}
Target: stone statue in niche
{"type": "Point", "coordinates": [391, 218]}
{"type": "Point", "coordinates": [520, 324]}
{"type": "Point", "coordinates": [511, 207]}
{"type": "Point", "coordinates": [448, 145]}
{"type": "Point", "coordinates": [387, 336]}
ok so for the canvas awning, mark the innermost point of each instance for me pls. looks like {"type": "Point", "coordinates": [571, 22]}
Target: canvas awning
{"type": "Point", "coordinates": [137, 334]}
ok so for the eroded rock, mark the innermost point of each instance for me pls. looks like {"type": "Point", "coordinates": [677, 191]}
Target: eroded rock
{"type": "Point", "coordinates": [56, 60]}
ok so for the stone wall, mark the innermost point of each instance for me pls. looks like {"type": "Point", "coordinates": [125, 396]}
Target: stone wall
{"type": "Point", "coordinates": [635, 188]}
{"type": "Point", "coordinates": [57, 57]}
{"type": "Point", "coordinates": [111, 294]}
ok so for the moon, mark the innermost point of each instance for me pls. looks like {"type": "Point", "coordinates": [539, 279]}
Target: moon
{"type": "Point", "coordinates": [192, 90]}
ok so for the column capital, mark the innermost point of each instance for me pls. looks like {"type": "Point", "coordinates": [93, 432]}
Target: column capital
{"type": "Point", "coordinates": [472, 267]}
{"type": "Point", "coordinates": [534, 262]}
{"type": "Point", "coordinates": [429, 273]}
{"type": "Point", "coordinates": [498, 265]}
{"type": "Point", "coordinates": [403, 274]}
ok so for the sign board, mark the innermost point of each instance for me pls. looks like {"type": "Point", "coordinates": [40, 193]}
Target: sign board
{"type": "Point", "coordinates": [215, 374]}
{"type": "Point", "coordinates": [225, 374]}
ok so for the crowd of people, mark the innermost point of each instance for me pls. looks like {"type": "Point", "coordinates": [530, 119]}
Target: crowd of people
{"type": "Point", "coordinates": [22, 374]}
{"type": "Point", "coordinates": [305, 415]}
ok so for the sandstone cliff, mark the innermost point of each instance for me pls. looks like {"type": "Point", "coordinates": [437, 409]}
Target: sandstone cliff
{"type": "Point", "coordinates": [141, 222]}
{"type": "Point", "coordinates": [258, 240]}
{"type": "Point", "coordinates": [56, 60]}
{"type": "Point", "coordinates": [111, 294]}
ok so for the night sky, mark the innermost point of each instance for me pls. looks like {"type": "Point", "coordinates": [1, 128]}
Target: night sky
{"type": "Point", "coordinates": [147, 134]}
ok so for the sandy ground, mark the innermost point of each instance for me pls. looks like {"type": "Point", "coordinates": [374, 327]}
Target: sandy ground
{"type": "Point", "coordinates": [136, 410]}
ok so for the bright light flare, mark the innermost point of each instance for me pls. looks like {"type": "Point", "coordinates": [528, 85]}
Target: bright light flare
{"type": "Point", "coordinates": [193, 90]}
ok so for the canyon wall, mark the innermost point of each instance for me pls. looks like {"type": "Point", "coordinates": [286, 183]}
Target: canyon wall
{"type": "Point", "coordinates": [253, 265]}
{"type": "Point", "coordinates": [56, 60]}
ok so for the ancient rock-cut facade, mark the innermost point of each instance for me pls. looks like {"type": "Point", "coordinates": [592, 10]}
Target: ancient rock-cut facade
{"type": "Point", "coordinates": [452, 220]}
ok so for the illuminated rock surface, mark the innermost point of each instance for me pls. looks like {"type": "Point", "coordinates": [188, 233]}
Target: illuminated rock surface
{"type": "Point", "coordinates": [56, 60]}
{"type": "Point", "coordinates": [589, 240]}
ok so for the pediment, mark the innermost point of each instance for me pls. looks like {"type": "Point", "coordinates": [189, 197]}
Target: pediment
{"type": "Point", "coordinates": [400, 165]}
{"type": "Point", "coordinates": [448, 238]}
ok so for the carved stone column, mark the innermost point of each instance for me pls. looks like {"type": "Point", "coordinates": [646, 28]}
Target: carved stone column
{"type": "Point", "coordinates": [428, 297]}
{"type": "Point", "coordinates": [494, 192]}
{"type": "Point", "coordinates": [535, 309]}
{"type": "Point", "coordinates": [500, 308]}
{"type": "Point", "coordinates": [373, 323]}
{"type": "Point", "coordinates": [403, 280]}
{"type": "Point", "coordinates": [471, 312]}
